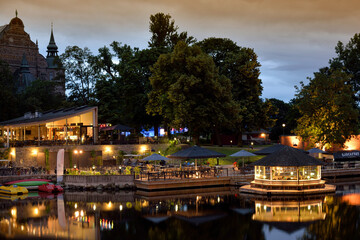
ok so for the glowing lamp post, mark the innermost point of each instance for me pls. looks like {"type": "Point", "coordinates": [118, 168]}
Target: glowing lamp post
{"type": "Point", "coordinates": [77, 152]}
{"type": "Point", "coordinates": [283, 125]}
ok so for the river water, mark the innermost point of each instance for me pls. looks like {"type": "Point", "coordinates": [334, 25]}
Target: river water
{"type": "Point", "coordinates": [207, 213]}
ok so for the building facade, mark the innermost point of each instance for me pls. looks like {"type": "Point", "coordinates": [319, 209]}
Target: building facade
{"type": "Point", "coordinates": [24, 59]}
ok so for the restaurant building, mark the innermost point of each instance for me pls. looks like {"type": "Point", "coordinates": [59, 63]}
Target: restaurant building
{"type": "Point", "coordinates": [76, 124]}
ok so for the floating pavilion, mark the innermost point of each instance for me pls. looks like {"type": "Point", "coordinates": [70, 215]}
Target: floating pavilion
{"type": "Point", "coordinates": [287, 171]}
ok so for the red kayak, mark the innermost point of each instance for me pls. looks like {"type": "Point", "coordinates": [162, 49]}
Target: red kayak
{"type": "Point", "coordinates": [50, 188]}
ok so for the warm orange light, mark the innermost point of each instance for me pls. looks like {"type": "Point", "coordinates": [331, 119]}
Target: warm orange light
{"type": "Point", "coordinates": [13, 212]}
{"type": "Point", "coordinates": [34, 152]}
{"type": "Point", "coordinates": [262, 135]}
{"type": "Point", "coordinates": [107, 149]}
{"type": "Point", "coordinates": [36, 211]}
{"type": "Point", "coordinates": [12, 153]}
{"type": "Point", "coordinates": [352, 199]}
{"type": "Point", "coordinates": [143, 149]}
{"type": "Point", "coordinates": [76, 151]}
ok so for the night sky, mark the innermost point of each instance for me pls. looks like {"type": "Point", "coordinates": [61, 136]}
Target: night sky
{"type": "Point", "coordinates": [292, 39]}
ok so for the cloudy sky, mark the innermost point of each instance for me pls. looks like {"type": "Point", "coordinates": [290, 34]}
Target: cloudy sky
{"type": "Point", "coordinates": [292, 39]}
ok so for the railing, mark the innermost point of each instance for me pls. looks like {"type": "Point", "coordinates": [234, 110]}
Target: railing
{"type": "Point", "coordinates": [11, 171]}
{"type": "Point", "coordinates": [188, 173]}
{"type": "Point", "coordinates": [341, 165]}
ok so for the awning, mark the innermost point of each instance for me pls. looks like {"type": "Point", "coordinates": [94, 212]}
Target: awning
{"type": "Point", "coordinates": [347, 156]}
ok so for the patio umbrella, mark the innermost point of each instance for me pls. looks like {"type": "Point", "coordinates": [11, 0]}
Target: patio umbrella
{"type": "Point", "coordinates": [316, 150]}
{"type": "Point", "coordinates": [155, 157]}
{"type": "Point", "coordinates": [242, 154]}
{"type": "Point", "coordinates": [195, 152]}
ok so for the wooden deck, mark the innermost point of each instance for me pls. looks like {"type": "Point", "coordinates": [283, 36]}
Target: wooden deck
{"type": "Point", "coordinates": [251, 190]}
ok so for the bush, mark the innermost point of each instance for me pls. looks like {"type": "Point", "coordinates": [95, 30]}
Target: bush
{"type": "Point", "coordinates": [128, 170]}
{"type": "Point", "coordinates": [99, 161]}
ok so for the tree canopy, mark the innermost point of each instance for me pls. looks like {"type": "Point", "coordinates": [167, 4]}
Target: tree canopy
{"type": "Point", "coordinates": [7, 86]}
{"type": "Point", "coordinates": [348, 60]}
{"type": "Point", "coordinates": [122, 89]}
{"type": "Point", "coordinates": [165, 34]}
{"type": "Point", "coordinates": [188, 91]}
{"type": "Point", "coordinates": [241, 66]}
{"type": "Point", "coordinates": [327, 108]}
{"type": "Point", "coordinates": [80, 77]}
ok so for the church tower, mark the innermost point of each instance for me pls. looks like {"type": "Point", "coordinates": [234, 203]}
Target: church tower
{"type": "Point", "coordinates": [52, 51]}
{"type": "Point", "coordinates": [55, 70]}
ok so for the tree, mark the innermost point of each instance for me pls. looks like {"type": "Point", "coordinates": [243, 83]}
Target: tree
{"type": "Point", "coordinates": [282, 116]}
{"type": "Point", "coordinates": [188, 91]}
{"type": "Point", "coordinates": [240, 65]}
{"type": "Point", "coordinates": [40, 96]}
{"type": "Point", "coordinates": [164, 33]}
{"type": "Point", "coordinates": [7, 86]}
{"type": "Point", "coordinates": [80, 77]}
{"type": "Point", "coordinates": [329, 116]}
{"type": "Point", "coordinates": [348, 60]}
{"type": "Point", "coordinates": [164, 36]}
{"type": "Point", "coordinates": [122, 89]}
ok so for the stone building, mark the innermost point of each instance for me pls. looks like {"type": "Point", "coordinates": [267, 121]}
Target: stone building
{"type": "Point", "coordinates": [24, 59]}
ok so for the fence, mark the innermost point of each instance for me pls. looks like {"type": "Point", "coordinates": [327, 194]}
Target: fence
{"type": "Point", "coordinates": [188, 173]}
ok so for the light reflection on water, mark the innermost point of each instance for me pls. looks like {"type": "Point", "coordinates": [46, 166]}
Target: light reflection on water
{"type": "Point", "coordinates": [211, 213]}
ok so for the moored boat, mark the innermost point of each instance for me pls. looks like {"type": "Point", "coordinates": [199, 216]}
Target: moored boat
{"type": "Point", "coordinates": [49, 187]}
{"type": "Point", "coordinates": [13, 190]}
{"type": "Point", "coordinates": [29, 182]}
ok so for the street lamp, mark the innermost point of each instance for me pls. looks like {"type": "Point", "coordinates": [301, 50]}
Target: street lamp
{"type": "Point", "coordinates": [230, 143]}
{"type": "Point", "coordinates": [283, 125]}
{"type": "Point", "coordinates": [76, 152]}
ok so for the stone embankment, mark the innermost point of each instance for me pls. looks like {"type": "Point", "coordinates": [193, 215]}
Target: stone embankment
{"type": "Point", "coordinates": [98, 182]}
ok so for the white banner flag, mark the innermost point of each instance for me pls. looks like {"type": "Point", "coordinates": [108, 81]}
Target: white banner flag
{"type": "Point", "coordinates": [60, 165]}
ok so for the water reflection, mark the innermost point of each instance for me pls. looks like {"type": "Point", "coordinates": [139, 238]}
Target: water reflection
{"type": "Point", "coordinates": [289, 211]}
{"type": "Point", "coordinates": [218, 213]}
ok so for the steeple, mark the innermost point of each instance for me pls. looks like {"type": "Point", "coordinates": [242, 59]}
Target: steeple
{"type": "Point", "coordinates": [52, 49]}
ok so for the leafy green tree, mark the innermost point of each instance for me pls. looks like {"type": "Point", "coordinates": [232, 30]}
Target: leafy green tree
{"type": "Point", "coordinates": [40, 96]}
{"type": "Point", "coordinates": [122, 89]}
{"type": "Point", "coordinates": [165, 34]}
{"type": "Point", "coordinates": [241, 66]}
{"type": "Point", "coordinates": [329, 116]}
{"type": "Point", "coordinates": [80, 77]}
{"type": "Point", "coordinates": [348, 60]}
{"type": "Point", "coordinates": [187, 91]}
{"type": "Point", "coordinates": [286, 114]}
{"type": "Point", "coordinates": [7, 86]}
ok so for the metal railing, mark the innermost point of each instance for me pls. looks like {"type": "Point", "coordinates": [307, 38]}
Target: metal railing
{"type": "Point", "coordinates": [188, 173]}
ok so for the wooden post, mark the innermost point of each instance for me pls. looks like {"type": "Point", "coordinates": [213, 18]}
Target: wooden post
{"type": "Point", "coordinates": [39, 135]}
{"type": "Point", "coordinates": [66, 134]}
{"type": "Point", "coordinates": [8, 138]}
